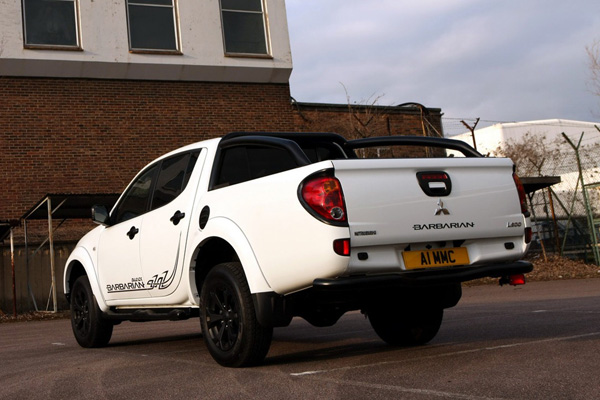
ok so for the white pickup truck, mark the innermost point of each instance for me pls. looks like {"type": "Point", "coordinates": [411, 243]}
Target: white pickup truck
{"type": "Point", "coordinates": [252, 229]}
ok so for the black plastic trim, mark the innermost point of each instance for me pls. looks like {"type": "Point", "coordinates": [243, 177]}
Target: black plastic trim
{"type": "Point", "coordinates": [435, 192]}
{"type": "Point", "coordinates": [446, 143]}
{"type": "Point", "coordinates": [295, 136]}
{"type": "Point", "coordinates": [430, 277]}
{"type": "Point", "coordinates": [151, 314]}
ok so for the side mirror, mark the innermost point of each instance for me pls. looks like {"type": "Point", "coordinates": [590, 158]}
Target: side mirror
{"type": "Point", "coordinates": [100, 215]}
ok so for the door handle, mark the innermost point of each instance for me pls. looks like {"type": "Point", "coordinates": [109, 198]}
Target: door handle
{"type": "Point", "coordinates": [178, 216]}
{"type": "Point", "coordinates": [132, 232]}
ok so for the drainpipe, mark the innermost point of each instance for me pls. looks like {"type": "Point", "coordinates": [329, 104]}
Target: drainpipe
{"type": "Point", "coordinates": [12, 263]}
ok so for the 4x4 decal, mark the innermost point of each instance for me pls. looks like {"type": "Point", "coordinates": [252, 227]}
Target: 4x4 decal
{"type": "Point", "coordinates": [161, 281]}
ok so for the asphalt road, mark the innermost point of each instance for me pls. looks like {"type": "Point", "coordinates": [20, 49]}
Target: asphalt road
{"type": "Point", "coordinates": [538, 341]}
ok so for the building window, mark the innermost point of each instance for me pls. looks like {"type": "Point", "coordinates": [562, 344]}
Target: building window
{"type": "Point", "coordinates": [244, 27]}
{"type": "Point", "coordinates": [152, 26]}
{"type": "Point", "coordinates": [50, 23]}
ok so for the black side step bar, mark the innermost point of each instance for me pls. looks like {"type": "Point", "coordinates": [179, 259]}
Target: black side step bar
{"type": "Point", "coordinates": [151, 314]}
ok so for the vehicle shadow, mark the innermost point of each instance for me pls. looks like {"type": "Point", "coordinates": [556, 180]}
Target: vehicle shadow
{"type": "Point", "coordinates": [336, 352]}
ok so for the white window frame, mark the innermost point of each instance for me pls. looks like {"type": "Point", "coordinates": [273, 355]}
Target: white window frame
{"type": "Point", "coordinates": [176, 28]}
{"type": "Point", "coordinates": [44, 46]}
{"type": "Point", "coordinates": [266, 33]}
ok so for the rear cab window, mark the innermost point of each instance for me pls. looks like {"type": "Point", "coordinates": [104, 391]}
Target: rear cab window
{"type": "Point", "coordinates": [243, 163]}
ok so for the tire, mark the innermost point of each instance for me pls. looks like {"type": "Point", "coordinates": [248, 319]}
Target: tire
{"type": "Point", "coordinates": [230, 328]}
{"type": "Point", "coordinates": [406, 328]}
{"type": "Point", "coordinates": [89, 327]}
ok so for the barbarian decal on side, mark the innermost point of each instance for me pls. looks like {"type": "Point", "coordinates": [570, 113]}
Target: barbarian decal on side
{"type": "Point", "coordinates": [135, 285]}
{"type": "Point", "coordinates": [159, 281]}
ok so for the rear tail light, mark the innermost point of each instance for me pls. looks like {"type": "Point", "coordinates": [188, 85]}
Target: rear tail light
{"type": "Point", "coordinates": [522, 196]}
{"type": "Point", "coordinates": [523, 201]}
{"type": "Point", "coordinates": [322, 196]}
{"type": "Point", "coordinates": [528, 235]}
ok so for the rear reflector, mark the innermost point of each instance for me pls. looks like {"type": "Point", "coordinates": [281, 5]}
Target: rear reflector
{"type": "Point", "coordinates": [341, 247]}
{"type": "Point", "coordinates": [517, 279]}
{"type": "Point", "coordinates": [514, 280]}
{"type": "Point", "coordinates": [528, 235]}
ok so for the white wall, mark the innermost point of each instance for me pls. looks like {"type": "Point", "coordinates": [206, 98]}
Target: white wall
{"type": "Point", "coordinates": [106, 54]}
{"type": "Point", "coordinates": [490, 138]}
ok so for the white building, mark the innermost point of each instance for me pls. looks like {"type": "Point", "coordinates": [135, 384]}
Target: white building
{"type": "Point", "coordinates": [567, 197]}
{"type": "Point", "coordinates": [490, 138]}
{"type": "Point", "coordinates": [176, 40]}
{"type": "Point", "coordinates": [564, 164]}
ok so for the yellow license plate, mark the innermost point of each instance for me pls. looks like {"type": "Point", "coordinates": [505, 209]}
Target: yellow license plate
{"type": "Point", "coordinates": [435, 258]}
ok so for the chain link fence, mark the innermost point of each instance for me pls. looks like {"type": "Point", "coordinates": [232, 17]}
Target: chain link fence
{"type": "Point", "coordinates": [566, 215]}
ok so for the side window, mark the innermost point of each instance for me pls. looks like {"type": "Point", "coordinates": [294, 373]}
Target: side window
{"type": "Point", "coordinates": [173, 178]}
{"type": "Point", "coordinates": [50, 23]}
{"type": "Point", "coordinates": [240, 164]}
{"type": "Point", "coordinates": [234, 167]}
{"type": "Point", "coordinates": [136, 198]}
{"type": "Point", "coordinates": [244, 27]}
{"type": "Point", "coordinates": [152, 26]}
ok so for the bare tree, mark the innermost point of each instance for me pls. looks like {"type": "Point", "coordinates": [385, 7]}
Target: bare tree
{"type": "Point", "coordinates": [366, 118]}
{"type": "Point", "coordinates": [533, 154]}
{"type": "Point", "coordinates": [593, 52]}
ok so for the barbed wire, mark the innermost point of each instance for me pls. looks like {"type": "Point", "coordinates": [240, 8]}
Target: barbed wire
{"type": "Point", "coordinates": [454, 126]}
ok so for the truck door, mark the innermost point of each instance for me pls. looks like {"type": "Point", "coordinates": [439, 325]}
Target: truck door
{"type": "Point", "coordinates": [164, 229]}
{"type": "Point", "coordinates": [119, 268]}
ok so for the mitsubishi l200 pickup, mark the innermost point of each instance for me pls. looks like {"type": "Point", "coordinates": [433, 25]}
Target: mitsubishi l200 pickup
{"type": "Point", "coordinates": [250, 230]}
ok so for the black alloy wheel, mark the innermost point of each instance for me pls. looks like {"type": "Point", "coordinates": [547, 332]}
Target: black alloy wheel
{"type": "Point", "coordinates": [231, 331]}
{"type": "Point", "coordinates": [89, 327]}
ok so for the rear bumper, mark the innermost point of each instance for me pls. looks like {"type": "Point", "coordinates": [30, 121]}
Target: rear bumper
{"type": "Point", "coordinates": [423, 278]}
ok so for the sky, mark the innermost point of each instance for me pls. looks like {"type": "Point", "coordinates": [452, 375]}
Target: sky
{"type": "Point", "coordinates": [497, 60]}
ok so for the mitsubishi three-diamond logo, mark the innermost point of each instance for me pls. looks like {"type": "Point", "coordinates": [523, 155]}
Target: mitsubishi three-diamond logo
{"type": "Point", "coordinates": [440, 208]}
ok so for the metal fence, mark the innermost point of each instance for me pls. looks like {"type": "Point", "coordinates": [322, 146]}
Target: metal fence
{"type": "Point", "coordinates": [566, 216]}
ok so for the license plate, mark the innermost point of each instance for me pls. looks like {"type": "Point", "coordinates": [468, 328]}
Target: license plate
{"type": "Point", "coordinates": [435, 258]}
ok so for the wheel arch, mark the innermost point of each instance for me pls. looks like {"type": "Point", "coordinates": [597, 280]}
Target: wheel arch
{"type": "Point", "coordinates": [225, 242]}
{"type": "Point", "coordinates": [209, 253]}
{"type": "Point", "coordinates": [80, 263]}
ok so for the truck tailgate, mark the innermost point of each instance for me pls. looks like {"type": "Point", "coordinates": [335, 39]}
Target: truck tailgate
{"type": "Point", "coordinates": [387, 205]}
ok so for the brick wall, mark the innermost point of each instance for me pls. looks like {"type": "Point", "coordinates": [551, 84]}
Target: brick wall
{"type": "Point", "coordinates": [357, 121]}
{"type": "Point", "coordinates": [90, 136]}
{"type": "Point", "coordinates": [362, 121]}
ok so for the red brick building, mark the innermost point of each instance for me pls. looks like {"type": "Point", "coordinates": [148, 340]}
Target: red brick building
{"type": "Point", "coordinates": [84, 106]}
